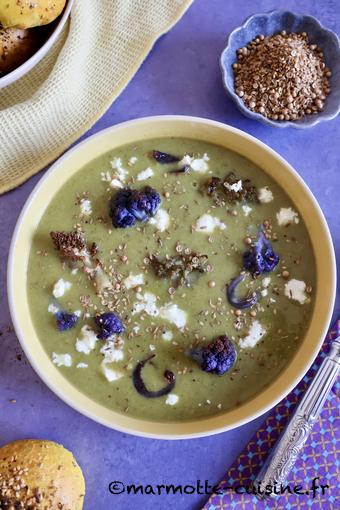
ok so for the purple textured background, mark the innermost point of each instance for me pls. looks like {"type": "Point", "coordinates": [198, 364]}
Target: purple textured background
{"type": "Point", "coordinates": [181, 76]}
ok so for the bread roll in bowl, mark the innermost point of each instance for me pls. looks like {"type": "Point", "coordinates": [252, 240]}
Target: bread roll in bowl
{"type": "Point", "coordinates": [29, 13]}
{"type": "Point", "coordinates": [16, 46]}
{"type": "Point", "coordinates": [38, 474]}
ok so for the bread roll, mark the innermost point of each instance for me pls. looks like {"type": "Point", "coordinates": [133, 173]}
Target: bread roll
{"type": "Point", "coordinates": [39, 474]}
{"type": "Point", "coordinates": [28, 13]}
{"type": "Point", "coordinates": [16, 46]}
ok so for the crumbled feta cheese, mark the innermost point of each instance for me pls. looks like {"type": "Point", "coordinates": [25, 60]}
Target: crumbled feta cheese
{"type": "Point", "coordinates": [105, 176]}
{"type": "Point", "coordinates": [246, 209]}
{"type": "Point", "coordinates": [136, 329]}
{"type": "Point", "coordinates": [82, 365]}
{"type": "Point", "coordinates": [102, 280]}
{"type": "Point", "coordinates": [110, 374]}
{"type": "Point", "coordinates": [62, 359]}
{"type": "Point", "coordinates": [52, 308]}
{"type": "Point", "coordinates": [173, 314]}
{"type": "Point", "coordinates": [146, 303]}
{"type": "Point", "coordinates": [116, 183]}
{"type": "Point", "coordinates": [295, 289]}
{"type": "Point", "coordinates": [286, 216]}
{"type": "Point", "coordinates": [207, 224]}
{"type": "Point", "coordinates": [265, 195]}
{"type": "Point", "coordinates": [134, 280]}
{"type": "Point", "coordinates": [161, 220]}
{"type": "Point", "coordinates": [264, 292]}
{"type": "Point", "coordinates": [266, 282]}
{"type": "Point", "coordinates": [85, 207]}
{"type": "Point", "coordinates": [145, 174]}
{"type": "Point", "coordinates": [132, 161]}
{"type": "Point", "coordinates": [172, 399]}
{"type": "Point", "coordinates": [74, 271]}
{"type": "Point", "coordinates": [237, 186]}
{"type": "Point", "coordinates": [152, 347]}
{"type": "Point", "coordinates": [112, 352]}
{"type": "Point", "coordinates": [77, 313]}
{"type": "Point", "coordinates": [167, 336]}
{"type": "Point", "coordinates": [255, 334]}
{"type": "Point", "coordinates": [87, 341]}
{"type": "Point", "coordinates": [196, 164]}
{"type": "Point", "coordinates": [60, 287]}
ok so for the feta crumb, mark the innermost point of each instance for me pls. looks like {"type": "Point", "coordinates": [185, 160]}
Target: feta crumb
{"type": "Point", "coordinates": [161, 220]}
{"type": "Point", "coordinates": [136, 329]}
{"type": "Point", "coordinates": [173, 314]}
{"type": "Point", "coordinates": [62, 359]}
{"type": "Point", "coordinates": [286, 216]}
{"type": "Point", "coordinates": [247, 210]}
{"type": "Point", "coordinates": [85, 207]}
{"type": "Point", "coordinates": [60, 287]}
{"type": "Point", "coordinates": [110, 374]}
{"type": "Point", "coordinates": [87, 341]}
{"type": "Point", "coordinates": [167, 336]}
{"type": "Point", "coordinates": [152, 347]}
{"type": "Point", "coordinates": [172, 399]}
{"type": "Point", "coordinates": [146, 303]}
{"type": "Point", "coordinates": [266, 282]}
{"type": "Point", "coordinates": [295, 289]}
{"type": "Point", "coordinates": [116, 183]}
{"type": "Point", "coordinates": [82, 365]}
{"type": "Point", "coordinates": [145, 174]}
{"type": "Point", "coordinates": [237, 186]}
{"type": "Point", "coordinates": [133, 281]}
{"type": "Point", "coordinates": [255, 334]}
{"type": "Point", "coordinates": [264, 292]}
{"type": "Point", "coordinates": [207, 224]}
{"type": "Point", "coordinates": [112, 352]}
{"type": "Point", "coordinates": [52, 308]}
{"type": "Point", "coordinates": [265, 195]}
{"type": "Point", "coordinates": [77, 313]}
{"type": "Point", "coordinates": [74, 271]}
{"type": "Point", "coordinates": [199, 165]}
{"type": "Point", "coordinates": [133, 160]}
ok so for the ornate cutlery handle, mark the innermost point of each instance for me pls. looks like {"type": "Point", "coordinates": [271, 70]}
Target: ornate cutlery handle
{"type": "Point", "coordinates": [288, 447]}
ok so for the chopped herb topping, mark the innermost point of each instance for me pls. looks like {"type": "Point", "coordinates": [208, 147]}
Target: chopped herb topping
{"type": "Point", "coordinates": [231, 189]}
{"type": "Point", "coordinates": [179, 268]}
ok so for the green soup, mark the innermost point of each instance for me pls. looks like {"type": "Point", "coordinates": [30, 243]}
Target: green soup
{"type": "Point", "coordinates": [167, 317]}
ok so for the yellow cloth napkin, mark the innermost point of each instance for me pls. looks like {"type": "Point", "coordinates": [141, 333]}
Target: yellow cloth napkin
{"type": "Point", "coordinates": [96, 56]}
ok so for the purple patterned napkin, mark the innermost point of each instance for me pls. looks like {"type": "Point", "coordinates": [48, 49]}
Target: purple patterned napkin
{"type": "Point", "coordinates": [320, 457]}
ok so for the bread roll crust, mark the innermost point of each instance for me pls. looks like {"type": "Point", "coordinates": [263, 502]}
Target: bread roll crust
{"type": "Point", "coordinates": [28, 13]}
{"type": "Point", "coordinates": [16, 46]}
{"type": "Point", "coordinates": [40, 474]}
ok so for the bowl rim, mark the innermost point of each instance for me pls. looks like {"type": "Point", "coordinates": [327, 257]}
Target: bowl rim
{"type": "Point", "coordinates": [30, 63]}
{"type": "Point", "coordinates": [315, 119]}
{"type": "Point", "coordinates": [53, 378]}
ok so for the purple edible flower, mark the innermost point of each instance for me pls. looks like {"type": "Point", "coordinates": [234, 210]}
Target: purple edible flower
{"type": "Point", "coordinates": [261, 257]}
{"type": "Point", "coordinates": [218, 357]}
{"type": "Point", "coordinates": [127, 206]}
{"type": "Point", "coordinates": [163, 158]}
{"type": "Point", "coordinates": [65, 320]}
{"type": "Point", "coordinates": [109, 325]}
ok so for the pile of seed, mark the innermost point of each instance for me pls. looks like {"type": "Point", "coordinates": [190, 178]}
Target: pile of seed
{"type": "Point", "coordinates": [282, 76]}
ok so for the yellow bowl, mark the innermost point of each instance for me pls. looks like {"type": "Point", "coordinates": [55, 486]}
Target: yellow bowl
{"type": "Point", "coordinates": [209, 131]}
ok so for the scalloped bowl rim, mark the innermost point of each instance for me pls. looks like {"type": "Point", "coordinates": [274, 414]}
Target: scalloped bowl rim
{"type": "Point", "coordinates": [30, 63]}
{"type": "Point", "coordinates": [199, 129]}
{"type": "Point", "coordinates": [238, 101]}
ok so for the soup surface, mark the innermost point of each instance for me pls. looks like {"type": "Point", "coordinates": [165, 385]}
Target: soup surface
{"type": "Point", "coordinates": [170, 280]}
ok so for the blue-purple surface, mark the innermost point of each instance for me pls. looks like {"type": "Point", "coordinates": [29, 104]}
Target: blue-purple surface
{"type": "Point", "coordinates": [181, 76]}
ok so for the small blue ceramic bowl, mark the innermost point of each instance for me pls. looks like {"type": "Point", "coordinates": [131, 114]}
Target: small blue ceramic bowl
{"type": "Point", "coordinates": [271, 23]}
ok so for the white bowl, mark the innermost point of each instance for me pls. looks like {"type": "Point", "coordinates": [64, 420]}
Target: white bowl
{"type": "Point", "coordinates": [27, 66]}
{"type": "Point", "coordinates": [201, 129]}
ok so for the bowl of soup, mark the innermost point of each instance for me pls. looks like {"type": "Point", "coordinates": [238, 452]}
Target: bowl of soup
{"type": "Point", "coordinates": [171, 277]}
